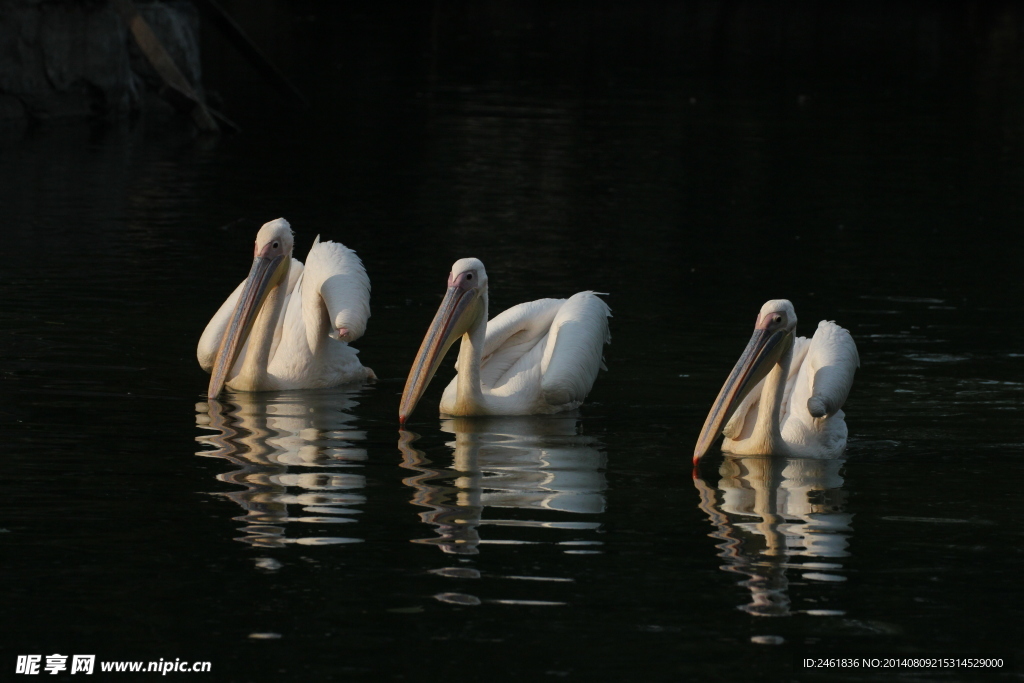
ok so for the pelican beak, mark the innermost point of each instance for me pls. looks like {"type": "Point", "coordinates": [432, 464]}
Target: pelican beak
{"type": "Point", "coordinates": [265, 274]}
{"type": "Point", "coordinates": [459, 311]}
{"type": "Point", "coordinates": [762, 353]}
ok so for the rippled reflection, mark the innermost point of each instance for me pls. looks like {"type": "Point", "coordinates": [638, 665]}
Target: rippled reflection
{"type": "Point", "coordinates": [512, 481]}
{"type": "Point", "coordinates": [777, 516]}
{"type": "Point", "coordinates": [294, 453]}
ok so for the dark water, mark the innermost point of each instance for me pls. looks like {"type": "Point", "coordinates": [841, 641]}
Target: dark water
{"type": "Point", "coordinates": [301, 536]}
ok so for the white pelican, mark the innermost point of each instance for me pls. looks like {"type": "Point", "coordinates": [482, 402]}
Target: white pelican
{"type": "Point", "coordinates": [288, 326]}
{"type": "Point", "coordinates": [798, 412]}
{"type": "Point", "coordinates": [538, 357]}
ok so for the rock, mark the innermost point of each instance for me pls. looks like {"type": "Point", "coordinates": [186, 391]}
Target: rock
{"type": "Point", "coordinates": [77, 58]}
{"type": "Point", "coordinates": [176, 24]}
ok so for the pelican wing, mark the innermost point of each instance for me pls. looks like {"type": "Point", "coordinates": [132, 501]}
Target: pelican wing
{"type": "Point", "coordinates": [512, 334]}
{"type": "Point", "coordinates": [574, 347]}
{"type": "Point", "coordinates": [801, 346]}
{"type": "Point", "coordinates": [827, 371]}
{"type": "Point", "coordinates": [345, 287]}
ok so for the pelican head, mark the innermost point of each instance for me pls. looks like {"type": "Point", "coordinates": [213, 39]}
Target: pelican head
{"type": "Point", "coordinates": [271, 258]}
{"type": "Point", "coordinates": [461, 310]}
{"type": "Point", "coordinates": [773, 335]}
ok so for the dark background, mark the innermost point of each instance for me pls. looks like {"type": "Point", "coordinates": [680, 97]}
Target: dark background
{"type": "Point", "coordinates": [692, 160]}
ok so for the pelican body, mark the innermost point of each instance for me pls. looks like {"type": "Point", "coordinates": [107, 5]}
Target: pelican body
{"type": "Point", "coordinates": [535, 358]}
{"type": "Point", "coordinates": [785, 394]}
{"type": "Point", "coordinates": [287, 326]}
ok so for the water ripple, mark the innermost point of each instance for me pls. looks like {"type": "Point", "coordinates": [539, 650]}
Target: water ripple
{"type": "Point", "coordinates": [288, 448]}
{"type": "Point", "coordinates": [768, 513]}
{"type": "Point", "coordinates": [512, 482]}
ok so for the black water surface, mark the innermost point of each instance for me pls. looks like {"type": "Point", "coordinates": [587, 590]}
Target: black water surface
{"type": "Point", "coordinates": [689, 162]}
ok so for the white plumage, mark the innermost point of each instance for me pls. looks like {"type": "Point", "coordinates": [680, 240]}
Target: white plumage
{"type": "Point", "coordinates": [786, 393]}
{"type": "Point", "coordinates": [538, 357]}
{"type": "Point", "coordinates": [289, 325]}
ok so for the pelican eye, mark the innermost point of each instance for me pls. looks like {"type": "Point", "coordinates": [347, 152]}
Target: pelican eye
{"type": "Point", "coordinates": [778, 319]}
{"type": "Point", "coordinates": [276, 245]}
{"type": "Point", "coordinates": [469, 276]}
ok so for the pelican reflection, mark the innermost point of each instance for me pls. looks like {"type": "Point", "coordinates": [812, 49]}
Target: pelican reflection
{"type": "Point", "coordinates": [294, 453]}
{"type": "Point", "coordinates": [512, 481]}
{"type": "Point", "coordinates": [778, 516]}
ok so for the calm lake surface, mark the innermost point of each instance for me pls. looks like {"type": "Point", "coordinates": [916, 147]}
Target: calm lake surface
{"type": "Point", "coordinates": [302, 536]}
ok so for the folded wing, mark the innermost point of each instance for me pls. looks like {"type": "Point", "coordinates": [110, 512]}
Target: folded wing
{"type": "Point", "coordinates": [512, 334]}
{"type": "Point", "coordinates": [826, 375]}
{"type": "Point", "coordinates": [343, 284]}
{"type": "Point", "coordinates": [574, 348]}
